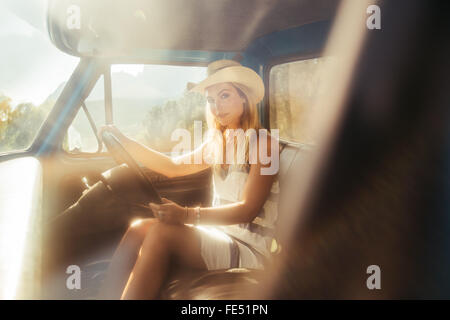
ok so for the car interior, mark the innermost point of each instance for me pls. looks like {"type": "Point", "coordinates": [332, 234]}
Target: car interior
{"type": "Point", "coordinates": [258, 34]}
{"type": "Point", "coordinates": [356, 206]}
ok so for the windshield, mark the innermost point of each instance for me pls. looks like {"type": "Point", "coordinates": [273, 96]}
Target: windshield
{"type": "Point", "coordinates": [32, 72]}
{"type": "Point", "coordinates": [150, 104]}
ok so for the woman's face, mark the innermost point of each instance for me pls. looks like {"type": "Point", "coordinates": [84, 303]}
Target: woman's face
{"type": "Point", "coordinates": [225, 104]}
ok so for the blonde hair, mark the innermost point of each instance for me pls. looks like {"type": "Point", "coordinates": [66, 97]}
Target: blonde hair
{"type": "Point", "coordinates": [249, 120]}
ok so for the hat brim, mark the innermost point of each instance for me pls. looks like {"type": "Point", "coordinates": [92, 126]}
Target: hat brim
{"type": "Point", "coordinates": [239, 74]}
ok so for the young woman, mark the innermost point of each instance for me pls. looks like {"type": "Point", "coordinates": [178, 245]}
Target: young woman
{"type": "Point", "coordinates": [237, 230]}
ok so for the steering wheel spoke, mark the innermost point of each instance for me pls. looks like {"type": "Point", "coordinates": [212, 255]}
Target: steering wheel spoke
{"type": "Point", "coordinates": [121, 155]}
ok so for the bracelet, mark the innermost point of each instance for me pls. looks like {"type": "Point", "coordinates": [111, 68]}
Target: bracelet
{"type": "Point", "coordinates": [197, 216]}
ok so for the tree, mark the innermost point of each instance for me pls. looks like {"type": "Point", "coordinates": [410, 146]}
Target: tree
{"type": "Point", "coordinates": [18, 125]}
{"type": "Point", "coordinates": [162, 120]}
{"type": "Point", "coordinates": [5, 116]}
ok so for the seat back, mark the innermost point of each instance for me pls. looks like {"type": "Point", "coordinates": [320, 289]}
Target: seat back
{"type": "Point", "coordinates": [290, 154]}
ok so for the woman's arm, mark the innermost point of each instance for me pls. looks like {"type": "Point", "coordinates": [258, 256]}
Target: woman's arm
{"type": "Point", "coordinates": [158, 161]}
{"type": "Point", "coordinates": [255, 193]}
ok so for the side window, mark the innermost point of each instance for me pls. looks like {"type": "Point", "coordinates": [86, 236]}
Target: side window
{"type": "Point", "coordinates": [80, 136]}
{"type": "Point", "coordinates": [294, 88]}
{"type": "Point", "coordinates": [33, 73]}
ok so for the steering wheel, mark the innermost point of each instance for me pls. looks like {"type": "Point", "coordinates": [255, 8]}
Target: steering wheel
{"type": "Point", "coordinates": [121, 155]}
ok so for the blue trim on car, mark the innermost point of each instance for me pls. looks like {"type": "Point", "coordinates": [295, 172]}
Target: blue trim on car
{"type": "Point", "coordinates": [70, 105]}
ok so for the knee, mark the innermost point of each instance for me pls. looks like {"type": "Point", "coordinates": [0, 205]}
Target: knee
{"type": "Point", "coordinates": [138, 230]}
{"type": "Point", "coordinates": [159, 235]}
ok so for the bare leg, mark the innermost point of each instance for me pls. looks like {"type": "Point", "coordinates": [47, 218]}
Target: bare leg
{"type": "Point", "coordinates": [164, 244]}
{"type": "Point", "coordinates": [124, 259]}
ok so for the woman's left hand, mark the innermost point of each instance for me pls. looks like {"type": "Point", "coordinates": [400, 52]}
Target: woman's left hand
{"type": "Point", "coordinates": [169, 212]}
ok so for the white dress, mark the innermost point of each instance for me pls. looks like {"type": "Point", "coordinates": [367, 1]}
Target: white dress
{"type": "Point", "coordinates": [245, 245]}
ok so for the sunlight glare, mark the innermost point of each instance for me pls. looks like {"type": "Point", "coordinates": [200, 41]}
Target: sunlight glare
{"type": "Point", "coordinates": [19, 201]}
{"type": "Point", "coordinates": [132, 69]}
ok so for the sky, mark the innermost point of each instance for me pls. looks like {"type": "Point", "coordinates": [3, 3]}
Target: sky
{"type": "Point", "coordinates": [32, 68]}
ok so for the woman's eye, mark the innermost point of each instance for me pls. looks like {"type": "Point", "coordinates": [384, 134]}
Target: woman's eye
{"type": "Point", "coordinates": [210, 101]}
{"type": "Point", "coordinates": [225, 95]}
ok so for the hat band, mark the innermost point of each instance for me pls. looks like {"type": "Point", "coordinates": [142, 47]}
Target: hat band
{"type": "Point", "coordinates": [215, 70]}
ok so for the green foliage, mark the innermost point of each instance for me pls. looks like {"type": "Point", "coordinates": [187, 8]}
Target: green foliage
{"type": "Point", "coordinates": [18, 125]}
{"type": "Point", "coordinates": [162, 120]}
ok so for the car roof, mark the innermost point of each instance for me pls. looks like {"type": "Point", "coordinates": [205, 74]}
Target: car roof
{"type": "Point", "coordinates": [124, 28]}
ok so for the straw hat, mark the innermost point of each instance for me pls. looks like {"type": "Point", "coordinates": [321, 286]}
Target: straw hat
{"type": "Point", "coordinates": [231, 71]}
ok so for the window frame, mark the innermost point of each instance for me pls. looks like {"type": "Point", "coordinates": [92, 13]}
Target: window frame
{"type": "Point", "coordinates": [100, 148]}
{"type": "Point", "coordinates": [81, 82]}
{"type": "Point", "coordinates": [103, 151]}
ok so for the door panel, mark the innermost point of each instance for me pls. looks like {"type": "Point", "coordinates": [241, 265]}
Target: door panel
{"type": "Point", "coordinates": [20, 222]}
